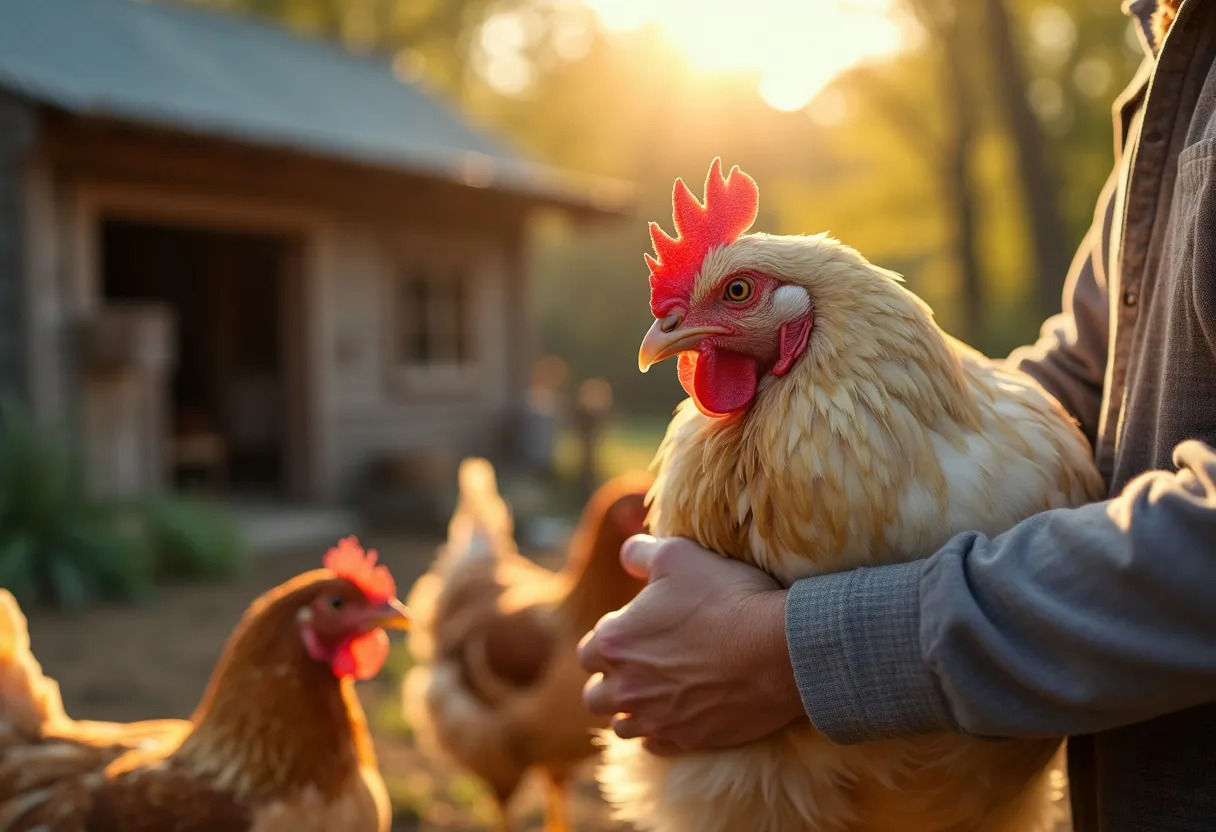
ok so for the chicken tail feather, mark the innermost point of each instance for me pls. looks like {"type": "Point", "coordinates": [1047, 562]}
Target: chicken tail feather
{"type": "Point", "coordinates": [29, 701]}
{"type": "Point", "coordinates": [482, 519]}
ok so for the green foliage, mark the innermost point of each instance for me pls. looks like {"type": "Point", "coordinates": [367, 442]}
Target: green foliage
{"type": "Point", "coordinates": [56, 544]}
{"type": "Point", "coordinates": [1079, 55]}
{"type": "Point", "coordinates": [192, 538]}
{"type": "Point", "coordinates": [626, 445]}
{"type": "Point", "coordinates": [60, 546]}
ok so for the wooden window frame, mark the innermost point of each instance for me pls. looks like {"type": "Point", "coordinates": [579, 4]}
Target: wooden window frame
{"type": "Point", "coordinates": [481, 270]}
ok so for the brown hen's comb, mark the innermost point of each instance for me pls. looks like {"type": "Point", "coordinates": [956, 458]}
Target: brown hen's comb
{"type": "Point", "coordinates": [731, 203]}
{"type": "Point", "coordinates": [348, 560]}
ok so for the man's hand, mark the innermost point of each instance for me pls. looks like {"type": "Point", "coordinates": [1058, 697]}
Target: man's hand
{"type": "Point", "coordinates": [698, 659]}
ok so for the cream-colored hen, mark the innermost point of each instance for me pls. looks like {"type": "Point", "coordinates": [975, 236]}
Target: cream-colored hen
{"type": "Point", "coordinates": [885, 438]}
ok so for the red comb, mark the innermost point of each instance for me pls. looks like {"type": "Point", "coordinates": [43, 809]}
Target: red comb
{"type": "Point", "coordinates": [731, 203]}
{"type": "Point", "coordinates": [349, 561]}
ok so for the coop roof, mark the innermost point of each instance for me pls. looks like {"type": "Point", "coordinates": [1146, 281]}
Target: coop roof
{"type": "Point", "coordinates": [225, 76]}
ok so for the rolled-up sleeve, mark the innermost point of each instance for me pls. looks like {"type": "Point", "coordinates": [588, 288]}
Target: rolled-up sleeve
{"type": "Point", "coordinates": [1074, 621]}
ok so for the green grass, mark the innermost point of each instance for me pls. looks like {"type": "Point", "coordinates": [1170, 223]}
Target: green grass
{"type": "Point", "coordinates": [386, 711]}
{"type": "Point", "coordinates": [399, 661]}
{"type": "Point", "coordinates": [192, 538]}
{"type": "Point", "coordinates": [626, 445]}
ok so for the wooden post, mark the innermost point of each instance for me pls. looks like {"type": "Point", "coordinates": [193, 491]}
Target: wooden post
{"type": "Point", "coordinates": [592, 407]}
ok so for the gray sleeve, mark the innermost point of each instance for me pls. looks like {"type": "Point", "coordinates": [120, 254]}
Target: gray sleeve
{"type": "Point", "coordinates": [1069, 359]}
{"type": "Point", "coordinates": [1074, 621]}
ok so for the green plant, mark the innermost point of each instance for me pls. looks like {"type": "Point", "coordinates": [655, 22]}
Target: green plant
{"type": "Point", "coordinates": [191, 538]}
{"type": "Point", "coordinates": [56, 544]}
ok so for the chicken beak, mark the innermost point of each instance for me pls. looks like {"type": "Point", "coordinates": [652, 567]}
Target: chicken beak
{"type": "Point", "coordinates": [391, 615]}
{"type": "Point", "coordinates": [666, 338]}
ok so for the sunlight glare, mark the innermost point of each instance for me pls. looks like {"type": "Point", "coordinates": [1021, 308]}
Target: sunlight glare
{"type": "Point", "coordinates": [797, 48]}
{"type": "Point", "coordinates": [501, 58]}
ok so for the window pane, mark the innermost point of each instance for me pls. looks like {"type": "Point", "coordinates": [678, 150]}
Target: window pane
{"type": "Point", "coordinates": [461, 301]}
{"type": "Point", "coordinates": [435, 316]}
{"type": "Point", "coordinates": [412, 315]}
{"type": "Point", "coordinates": [441, 323]}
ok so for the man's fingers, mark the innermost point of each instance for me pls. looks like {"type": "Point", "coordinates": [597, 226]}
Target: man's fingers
{"type": "Point", "coordinates": [590, 656]}
{"type": "Point", "coordinates": [626, 727]}
{"type": "Point", "coordinates": [599, 697]}
{"type": "Point", "coordinates": [661, 748]}
{"type": "Point", "coordinates": [637, 555]}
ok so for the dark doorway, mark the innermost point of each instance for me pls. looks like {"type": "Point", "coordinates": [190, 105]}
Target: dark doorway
{"type": "Point", "coordinates": [226, 291]}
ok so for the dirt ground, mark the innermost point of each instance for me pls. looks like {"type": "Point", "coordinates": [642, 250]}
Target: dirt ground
{"type": "Point", "coordinates": [127, 663]}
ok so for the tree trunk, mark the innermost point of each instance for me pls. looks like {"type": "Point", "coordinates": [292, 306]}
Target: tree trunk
{"type": "Point", "coordinates": [1039, 196]}
{"type": "Point", "coordinates": [949, 153]}
{"type": "Point", "coordinates": [957, 183]}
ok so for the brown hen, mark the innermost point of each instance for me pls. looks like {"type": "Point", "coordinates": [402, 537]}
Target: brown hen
{"type": "Point", "coordinates": [499, 686]}
{"type": "Point", "coordinates": [279, 741]}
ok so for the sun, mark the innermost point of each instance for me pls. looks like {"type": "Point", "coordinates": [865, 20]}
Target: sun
{"type": "Point", "coordinates": [795, 46]}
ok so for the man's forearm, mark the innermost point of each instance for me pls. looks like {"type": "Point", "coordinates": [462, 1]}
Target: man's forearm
{"type": "Point", "coordinates": [1074, 621]}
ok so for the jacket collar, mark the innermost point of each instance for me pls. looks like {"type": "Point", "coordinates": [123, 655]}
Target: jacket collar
{"type": "Point", "coordinates": [1141, 13]}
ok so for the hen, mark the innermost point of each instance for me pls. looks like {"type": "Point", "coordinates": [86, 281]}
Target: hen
{"type": "Point", "coordinates": [279, 741]}
{"type": "Point", "coordinates": [832, 425]}
{"type": "Point", "coordinates": [499, 687]}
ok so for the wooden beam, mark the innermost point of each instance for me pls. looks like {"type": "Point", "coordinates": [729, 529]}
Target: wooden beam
{"type": "Point", "coordinates": [95, 149]}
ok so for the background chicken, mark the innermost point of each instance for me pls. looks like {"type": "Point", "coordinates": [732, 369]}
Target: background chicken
{"type": "Point", "coordinates": [832, 425]}
{"type": "Point", "coordinates": [279, 741]}
{"type": "Point", "coordinates": [500, 688]}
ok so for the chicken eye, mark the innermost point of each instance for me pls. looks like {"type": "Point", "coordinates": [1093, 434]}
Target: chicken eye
{"type": "Point", "coordinates": [739, 290]}
{"type": "Point", "coordinates": [336, 602]}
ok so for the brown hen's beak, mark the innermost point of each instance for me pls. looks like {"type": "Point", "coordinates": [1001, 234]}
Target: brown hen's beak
{"type": "Point", "coordinates": [666, 338]}
{"type": "Point", "coordinates": [391, 615]}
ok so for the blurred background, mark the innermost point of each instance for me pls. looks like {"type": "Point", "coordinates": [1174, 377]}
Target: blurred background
{"type": "Point", "coordinates": [269, 268]}
{"type": "Point", "coordinates": [313, 260]}
{"type": "Point", "coordinates": [961, 144]}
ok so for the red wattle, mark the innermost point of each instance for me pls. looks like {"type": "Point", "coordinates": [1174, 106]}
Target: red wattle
{"type": "Point", "coordinates": [723, 381]}
{"type": "Point", "coordinates": [687, 368]}
{"type": "Point", "coordinates": [362, 656]}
